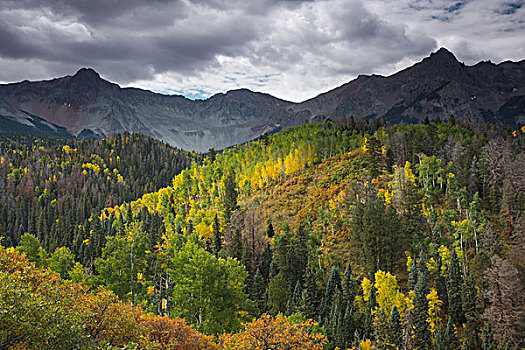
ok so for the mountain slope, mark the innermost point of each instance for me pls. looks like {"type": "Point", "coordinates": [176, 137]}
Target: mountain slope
{"type": "Point", "coordinates": [439, 85]}
{"type": "Point", "coordinates": [87, 105]}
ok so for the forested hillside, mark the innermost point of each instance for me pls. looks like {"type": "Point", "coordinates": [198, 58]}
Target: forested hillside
{"type": "Point", "coordinates": [50, 188]}
{"type": "Point", "coordinates": [322, 236]}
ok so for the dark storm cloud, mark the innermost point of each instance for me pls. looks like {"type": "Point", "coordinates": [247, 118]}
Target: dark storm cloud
{"type": "Point", "coordinates": [156, 34]}
{"type": "Point", "coordinates": [294, 49]}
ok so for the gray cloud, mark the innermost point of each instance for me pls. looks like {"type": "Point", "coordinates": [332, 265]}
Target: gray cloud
{"type": "Point", "coordinates": [292, 49]}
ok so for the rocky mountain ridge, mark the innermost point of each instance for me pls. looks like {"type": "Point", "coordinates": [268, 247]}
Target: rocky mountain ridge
{"type": "Point", "coordinates": [86, 105]}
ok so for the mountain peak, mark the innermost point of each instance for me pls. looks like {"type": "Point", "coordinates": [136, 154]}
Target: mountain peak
{"type": "Point", "coordinates": [88, 78]}
{"type": "Point", "coordinates": [442, 55]}
{"type": "Point", "coordinates": [88, 73]}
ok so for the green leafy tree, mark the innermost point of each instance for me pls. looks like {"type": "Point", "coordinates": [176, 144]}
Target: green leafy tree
{"type": "Point", "coordinates": [123, 258]}
{"type": "Point", "coordinates": [229, 202]}
{"type": "Point", "coordinates": [30, 246]}
{"type": "Point", "coordinates": [207, 291]}
{"type": "Point", "coordinates": [62, 261]}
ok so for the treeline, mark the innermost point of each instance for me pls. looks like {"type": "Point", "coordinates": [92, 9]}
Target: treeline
{"type": "Point", "coordinates": [426, 221]}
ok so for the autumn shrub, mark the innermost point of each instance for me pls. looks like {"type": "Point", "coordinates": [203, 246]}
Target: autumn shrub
{"type": "Point", "coordinates": [174, 334]}
{"type": "Point", "coordinates": [277, 332]}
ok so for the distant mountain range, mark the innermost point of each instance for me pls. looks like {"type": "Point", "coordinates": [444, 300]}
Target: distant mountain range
{"type": "Point", "coordinates": [85, 105]}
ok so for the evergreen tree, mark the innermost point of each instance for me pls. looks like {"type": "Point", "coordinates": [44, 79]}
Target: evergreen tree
{"type": "Point", "coordinates": [278, 294]}
{"type": "Point", "coordinates": [310, 296]}
{"type": "Point", "coordinates": [246, 260]}
{"type": "Point", "coordinates": [488, 338]}
{"type": "Point", "coordinates": [349, 285]}
{"type": "Point", "coordinates": [442, 341]}
{"type": "Point", "coordinates": [368, 317]}
{"type": "Point", "coordinates": [217, 237]}
{"type": "Point", "coordinates": [235, 249]}
{"type": "Point", "coordinates": [301, 253]}
{"type": "Point", "coordinates": [504, 342]}
{"type": "Point", "coordinates": [266, 262]}
{"type": "Point", "coordinates": [259, 292]}
{"type": "Point", "coordinates": [334, 323]}
{"type": "Point", "coordinates": [332, 288]}
{"type": "Point", "coordinates": [294, 304]}
{"type": "Point", "coordinates": [269, 230]}
{"type": "Point", "coordinates": [471, 314]}
{"type": "Point", "coordinates": [349, 326]}
{"type": "Point", "coordinates": [420, 313]}
{"type": "Point", "coordinates": [454, 285]}
{"type": "Point", "coordinates": [395, 334]}
{"type": "Point", "coordinates": [412, 276]}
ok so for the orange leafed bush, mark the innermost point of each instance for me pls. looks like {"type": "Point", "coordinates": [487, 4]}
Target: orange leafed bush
{"type": "Point", "coordinates": [175, 334]}
{"type": "Point", "coordinates": [39, 310]}
{"type": "Point", "coordinates": [274, 333]}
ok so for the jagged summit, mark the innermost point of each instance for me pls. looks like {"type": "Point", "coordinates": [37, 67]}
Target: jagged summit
{"type": "Point", "coordinates": [439, 85]}
{"type": "Point", "coordinates": [87, 73]}
{"type": "Point", "coordinates": [443, 54]}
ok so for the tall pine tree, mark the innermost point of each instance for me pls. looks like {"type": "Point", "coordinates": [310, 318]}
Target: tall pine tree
{"type": "Point", "coordinates": [454, 286]}
{"type": "Point", "coordinates": [420, 313]}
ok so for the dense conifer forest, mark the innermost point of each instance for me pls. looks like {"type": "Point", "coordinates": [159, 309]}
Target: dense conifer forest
{"type": "Point", "coordinates": [348, 235]}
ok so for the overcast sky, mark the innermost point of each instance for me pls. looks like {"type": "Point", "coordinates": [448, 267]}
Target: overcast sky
{"type": "Point", "coordinates": [291, 49]}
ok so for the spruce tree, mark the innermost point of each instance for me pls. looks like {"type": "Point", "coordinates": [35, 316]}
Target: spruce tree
{"type": "Point", "coordinates": [349, 285]}
{"type": "Point", "coordinates": [301, 253]}
{"type": "Point", "coordinates": [333, 325]}
{"type": "Point", "coordinates": [278, 294]}
{"type": "Point", "coordinates": [259, 292]}
{"type": "Point", "coordinates": [446, 337]}
{"type": "Point", "coordinates": [310, 295]}
{"type": "Point", "coordinates": [235, 250]}
{"type": "Point", "coordinates": [468, 297]}
{"type": "Point", "coordinates": [217, 237]}
{"type": "Point", "coordinates": [412, 276]}
{"type": "Point", "coordinates": [269, 230]}
{"type": "Point", "coordinates": [488, 338]}
{"type": "Point", "coordinates": [454, 286]}
{"type": "Point", "coordinates": [332, 288]}
{"type": "Point", "coordinates": [469, 310]}
{"type": "Point", "coordinates": [441, 341]}
{"type": "Point", "coordinates": [246, 260]}
{"type": "Point", "coordinates": [368, 317]}
{"type": "Point", "coordinates": [294, 304]}
{"type": "Point", "coordinates": [349, 325]}
{"type": "Point", "coordinates": [395, 337]}
{"type": "Point", "coordinates": [266, 262]}
{"type": "Point", "coordinates": [504, 343]}
{"type": "Point", "coordinates": [420, 313]}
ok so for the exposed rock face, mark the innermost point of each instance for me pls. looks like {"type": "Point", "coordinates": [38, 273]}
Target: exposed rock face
{"type": "Point", "coordinates": [437, 86]}
{"type": "Point", "coordinates": [87, 105]}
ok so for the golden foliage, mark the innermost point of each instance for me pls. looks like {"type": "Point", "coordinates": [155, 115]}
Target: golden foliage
{"type": "Point", "coordinates": [269, 332]}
